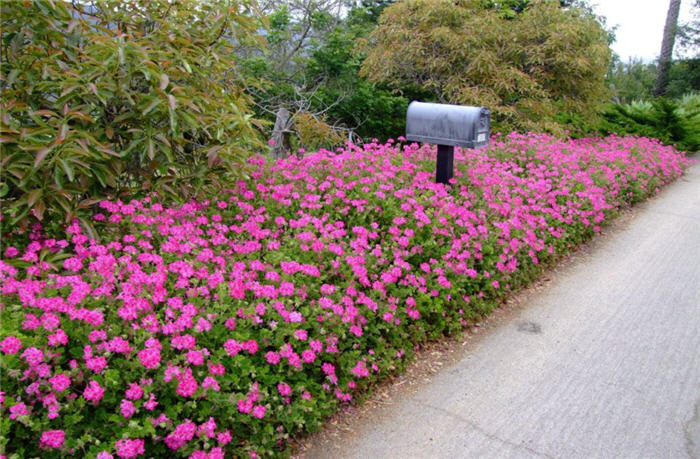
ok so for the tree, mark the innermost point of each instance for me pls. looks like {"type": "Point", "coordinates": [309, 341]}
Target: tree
{"type": "Point", "coordinates": [100, 98]}
{"type": "Point", "coordinates": [307, 75]}
{"type": "Point", "coordinates": [666, 55]}
{"type": "Point", "coordinates": [689, 33]}
{"type": "Point", "coordinates": [277, 68]}
{"type": "Point", "coordinates": [527, 68]}
{"type": "Point", "coordinates": [631, 80]}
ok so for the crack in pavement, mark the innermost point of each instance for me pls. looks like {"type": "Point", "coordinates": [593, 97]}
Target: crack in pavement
{"type": "Point", "coordinates": [691, 429]}
{"type": "Point", "coordinates": [484, 432]}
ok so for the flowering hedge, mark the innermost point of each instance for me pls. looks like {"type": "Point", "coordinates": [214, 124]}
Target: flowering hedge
{"type": "Point", "coordinates": [229, 325]}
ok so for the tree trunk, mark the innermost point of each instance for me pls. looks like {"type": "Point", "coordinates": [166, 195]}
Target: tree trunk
{"type": "Point", "coordinates": [666, 55]}
{"type": "Point", "coordinates": [281, 146]}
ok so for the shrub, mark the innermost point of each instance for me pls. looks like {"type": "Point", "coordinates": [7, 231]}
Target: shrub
{"type": "Point", "coordinates": [676, 122]}
{"type": "Point", "coordinates": [99, 98]}
{"type": "Point", "coordinates": [234, 323]}
{"type": "Point", "coordinates": [314, 133]}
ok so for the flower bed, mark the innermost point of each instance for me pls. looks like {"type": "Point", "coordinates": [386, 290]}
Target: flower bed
{"type": "Point", "coordinates": [229, 325]}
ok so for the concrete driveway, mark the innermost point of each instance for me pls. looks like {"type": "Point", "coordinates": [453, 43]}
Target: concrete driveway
{"type": "Point", "coordinates": [604, 362]}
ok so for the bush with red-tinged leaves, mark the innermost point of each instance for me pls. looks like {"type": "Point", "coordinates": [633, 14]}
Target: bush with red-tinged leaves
{"type": "Point", "coordinates": [227, 326]}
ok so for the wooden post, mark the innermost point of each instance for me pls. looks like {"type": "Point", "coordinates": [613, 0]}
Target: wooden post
{"type": "Point", "coordinates": [445, 163]}
{"type": "Point", "coordinates": [280, 134]}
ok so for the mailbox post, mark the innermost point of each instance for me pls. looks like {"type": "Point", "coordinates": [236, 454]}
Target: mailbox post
{"type": "Point", "coordinates": [447, 126]}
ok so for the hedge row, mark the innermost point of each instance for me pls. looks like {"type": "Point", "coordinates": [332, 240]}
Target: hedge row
{"type": "Point", "coordinates": [229, 325]}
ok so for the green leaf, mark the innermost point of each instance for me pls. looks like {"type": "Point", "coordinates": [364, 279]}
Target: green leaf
{"type": "Point", "coordinates": [164, 80]}
{"type": "Point", "coordinates": [32, 197]}
{"type": "Point", "coordinates": [67, 169]}
{"type": "Point", "coordinates": [41, 155]}
{"type": "Point", "coordinates": [154, 103]}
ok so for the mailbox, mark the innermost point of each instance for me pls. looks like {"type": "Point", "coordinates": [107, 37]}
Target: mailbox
{"type": "Point", "coordinates": [447, 126]}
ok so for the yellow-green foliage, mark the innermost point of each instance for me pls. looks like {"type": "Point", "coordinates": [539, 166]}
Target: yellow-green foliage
{"type": "Point", "coordinates": [314, 133]}
{"type": "Point", "coordinates": [545, 61]}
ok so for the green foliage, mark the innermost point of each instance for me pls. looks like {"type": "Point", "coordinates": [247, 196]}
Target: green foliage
{"type": "Point", "coordinates": [632, 80]}
{"type": "Point", "coordinates": [545, 61]}
{"type": "Point", "coordinates": [369, 110]}
{"type": "Point", "coordinates": [109, 97]}
{"type": "Point", "coordinates": [309, 65]}
{"type": "Point", "coordinates": [509, 9]}
{"type": "Point", "coordinates": [663, 119]}
{"type": "Point", "coordinates": [684, 78]}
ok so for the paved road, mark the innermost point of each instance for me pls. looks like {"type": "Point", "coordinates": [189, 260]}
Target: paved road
{"type": "Point", "coordinates": [605, 362]}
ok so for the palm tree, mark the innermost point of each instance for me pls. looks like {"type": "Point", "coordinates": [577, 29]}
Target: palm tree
{"type": "Point", "coordinates": [670, 30]}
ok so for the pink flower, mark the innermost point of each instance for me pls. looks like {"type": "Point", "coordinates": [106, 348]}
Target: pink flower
{"type": "Point", "coordinates": [195, 357]}
{"type": "Point", "coordinates": [308, 356]}
{"type": "Point", "coordinates": [245, 405]}
{"type": "Point", "coordinates": [328, 368]}
{"type": "Point", "coordinates": [217, 369]}
{"type": "Point", "coordinates": [96, 364]}
{"type": "Point", "coordinates": [301, 334]}
{"type": "Point", "coordinates": [128, 448]}
{"type": "Point", "coordinates": [203, 325]}
{"type": "Point", "coordinates": [224, 438]}
{"type": "Point", "coordinates": [19, 409]}
{"type": "Point", "coordinates": [183, 342]}
{"type": "Point", "coordinates": [259, 411]}
{"type": "Point", "coordinates": [10, 345]}
{"type": "Point", "coordinates": [134, 392]}
{"type": "Point", "coordinates": [149, 357]}
{"type": "Point", "coordinates": [272, 358]}
{"type": "Point", "coordinates": [207, 429]}
{"type": "Point", "coordinates": [413, 314]}
{"type": "Point", "coordinates": [284, 389]}
{"type": "Point", "coordinates": [104, 455]}
{"type": "Point", "coordinates": [119, 345]}
{"type": "Point", "coordinates": [73, 264]}
{"type": "Point", "coordinates": [360, 370]}
{"type": "Point", "coordinates": [93, 392]}
{"type": "Point", "coordinates": [210, 382]}
{"type": "Point", "coordinates": [127, 408]}
{"type": "Point", "coordinates": [50, 321]}
{"type": "Point", "coordinates": [182, 434]}
{"type": "Point", "coordinates": [33, 356]}
{"type": "Point", "coordinates": [251, 346]}
{"type": "Point", "coordinates": [316, 346]}
{"type": "Point", "coordinates": [151, 404]}
{"type": "Point", "coordinates": [187, 385]}
{"type": "Point", "coordinates": [52, 439]}
{"type": "Point", "coordinates": [232, 347]}
{"type": "Point", "coordinates": [59, 382]}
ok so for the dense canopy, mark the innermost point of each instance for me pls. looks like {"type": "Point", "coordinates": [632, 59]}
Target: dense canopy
{"type": "Point", "coordinates": [546, 60]}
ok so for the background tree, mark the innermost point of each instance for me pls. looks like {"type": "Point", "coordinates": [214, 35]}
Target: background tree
{"type": "Point", "coordinates": [666, 55]}
{"type": "Point", "coordinates": [545, 61]}
{"type": "Point", "coordinates": [689, 33]}
{"type": "Point", "coordinates": [631, 80]}
{"type": "Point", "coordinates": [307, 68]}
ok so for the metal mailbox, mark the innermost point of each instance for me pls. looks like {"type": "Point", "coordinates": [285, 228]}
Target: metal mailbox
{"type": "Point", "coordinates": [447, 126]}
